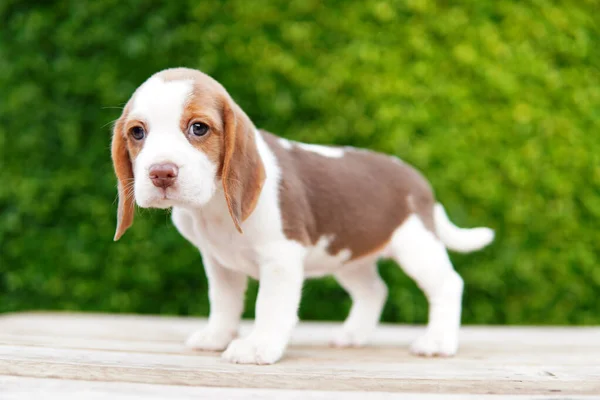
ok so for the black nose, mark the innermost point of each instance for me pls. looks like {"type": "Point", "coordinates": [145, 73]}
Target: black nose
{"type": "Point", "coordinates": [163, 175]}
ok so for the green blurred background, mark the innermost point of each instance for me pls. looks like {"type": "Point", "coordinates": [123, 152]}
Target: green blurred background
{"type": "Point", "coordinates": [497, 102]}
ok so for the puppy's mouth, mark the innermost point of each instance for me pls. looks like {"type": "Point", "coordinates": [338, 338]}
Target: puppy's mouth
{"type": "Point", "coordinates": [165, 194]}
{"type": "Point", "coordinates": [176, 195]}
{"type": "Point", "coordinates": [163, 198]}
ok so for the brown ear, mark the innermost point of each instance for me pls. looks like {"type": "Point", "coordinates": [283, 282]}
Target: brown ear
{"type": "Point", "coordinates": [124, 172]}
{"type": "Point", "coordinates": [243, 172]}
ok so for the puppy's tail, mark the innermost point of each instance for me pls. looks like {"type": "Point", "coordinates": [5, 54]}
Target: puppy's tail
{"type": "Point", "coordinates": [459, 239]}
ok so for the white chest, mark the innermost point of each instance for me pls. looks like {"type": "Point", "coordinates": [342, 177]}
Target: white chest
{"type": "Point", "coordinates": [219, 239]}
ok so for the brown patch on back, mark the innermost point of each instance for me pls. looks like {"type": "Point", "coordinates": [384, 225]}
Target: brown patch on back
{"type": "Point", "coordinates": [360, 198]}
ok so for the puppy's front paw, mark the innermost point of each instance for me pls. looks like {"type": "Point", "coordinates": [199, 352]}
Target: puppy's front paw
{"type": "Point", "coordinates": [251, 351]}
{"type": "Point", "coordinates": [209, 339]}
{"type": "Point", "coordinates": [348, 338]}
{"type": "Point", "coordinates": [430, 345]}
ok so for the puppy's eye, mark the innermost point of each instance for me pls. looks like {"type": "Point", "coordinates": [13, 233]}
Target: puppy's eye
{"type": "Point", "coordinates": [137, 132]}
{"type": "Point", "coordinates": [198, 129]}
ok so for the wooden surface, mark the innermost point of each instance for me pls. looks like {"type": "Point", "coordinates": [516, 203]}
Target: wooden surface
{"type": "Point", "coordinates": [99, 356]}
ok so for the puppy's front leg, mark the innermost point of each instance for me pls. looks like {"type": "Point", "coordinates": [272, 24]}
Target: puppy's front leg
{"type": "Point", "coordinates": [226, 289]}
{"type": "Point", "coordinates": [281, 277]}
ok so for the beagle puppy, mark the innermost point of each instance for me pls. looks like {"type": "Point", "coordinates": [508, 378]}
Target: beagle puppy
{"type": "Point", "coordinates": [281, 211]}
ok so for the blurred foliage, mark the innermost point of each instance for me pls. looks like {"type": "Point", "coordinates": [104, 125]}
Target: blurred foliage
{"type": "Point", "coordinates": [498, 103]}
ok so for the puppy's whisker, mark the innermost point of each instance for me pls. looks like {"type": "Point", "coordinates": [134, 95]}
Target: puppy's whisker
{"type": "Point", "coordinates": [109, 123]}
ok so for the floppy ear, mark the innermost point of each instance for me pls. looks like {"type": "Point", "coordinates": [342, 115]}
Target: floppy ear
{"type": "Point", "coordinates": [124, 172]}
{"type": "Point", "coordinates": [243, 173]}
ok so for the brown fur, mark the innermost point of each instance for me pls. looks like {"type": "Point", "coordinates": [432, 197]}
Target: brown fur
{"type": "Point", "coordinates": [360, 198]}
{"type": "Point", "coordinates": [196, 110]}
{"type": "Point", "coordinates": [124, 171]}
{"type": "Point", "coordinates": [243, 172]}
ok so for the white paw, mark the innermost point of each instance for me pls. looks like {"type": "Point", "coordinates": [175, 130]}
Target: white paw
{"type": "Point", "coordinates": [208, 339]}
{"type": "Point", "coordinates": [435, 345]}
{"type": "Point", "coordinates": [251, 351]}
{"type": "Point", "coordinates": [348, 338]}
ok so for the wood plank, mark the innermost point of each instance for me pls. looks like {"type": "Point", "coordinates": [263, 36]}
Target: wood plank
{"type": "Point", "coordinates": [314, 374]}
{"type": "Point", "coordinates": [159, 328]}
{"type": "Point", "coordinates": [575, 354]}
{"type": "Point", "coordinates": [134, 349]}
{"type": "Point", "coordinates": [19, 388]}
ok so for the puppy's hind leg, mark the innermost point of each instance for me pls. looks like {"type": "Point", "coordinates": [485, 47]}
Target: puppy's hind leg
{"type": "Point", "coordinates": [368, 293]}
{"type": "Point", "coordinates": [424, 258]}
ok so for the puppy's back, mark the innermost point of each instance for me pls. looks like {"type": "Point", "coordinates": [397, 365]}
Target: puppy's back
{"type": "Point", "coordinates": [357, 197]}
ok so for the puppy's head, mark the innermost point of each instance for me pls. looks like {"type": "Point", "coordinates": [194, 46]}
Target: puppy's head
{"type": "Point", "coordinates": [180, 138]}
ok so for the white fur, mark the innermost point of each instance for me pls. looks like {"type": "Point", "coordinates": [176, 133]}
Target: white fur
{"type": "Point", "coordinates": [368, 293]}
{"type": "Point", "coordinates": [226, 296]}
{"type": "Point", "coordinates": [200, 214]}
{"type": "Point", "coordinates": [319, 262]}
{"type": "Point", "coordinates": [286, 144]}
{"type": "Point", "coordinates": [424, 258]}
{"type": "Point", "coordinates": [325, 151]}
{"type": "Point", "coordinates": [460, 239]}
{"type": "Point", "coordinates": [160, 105]}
